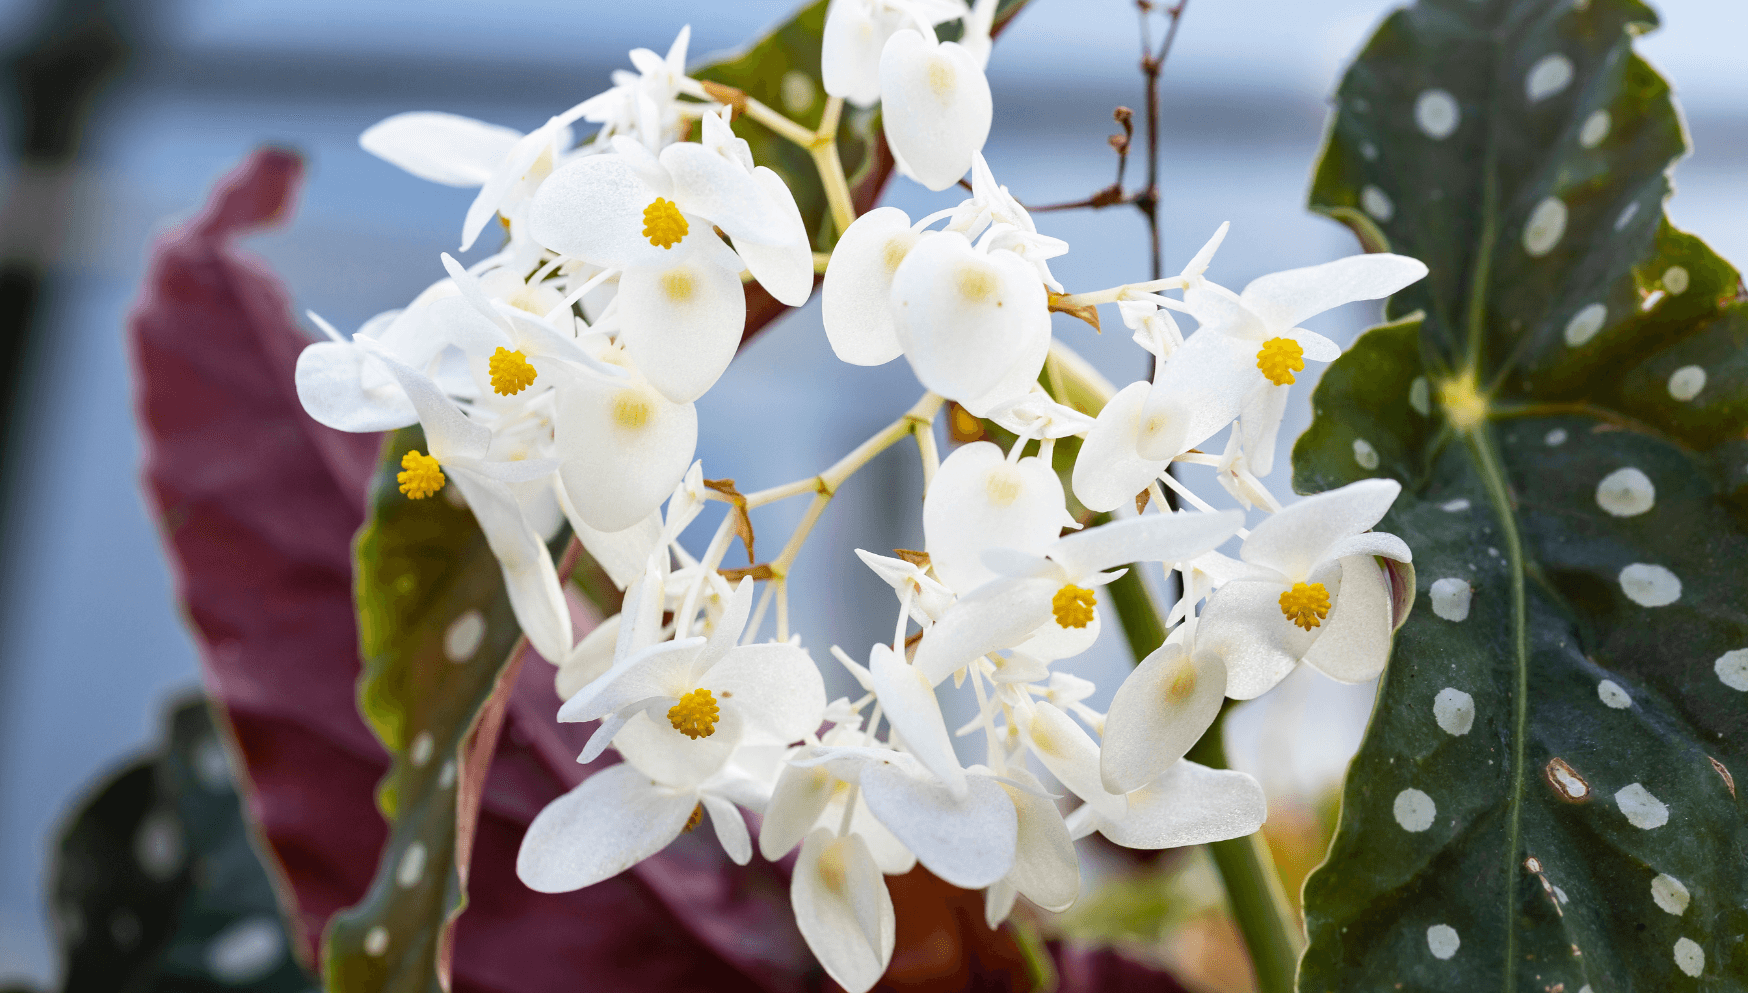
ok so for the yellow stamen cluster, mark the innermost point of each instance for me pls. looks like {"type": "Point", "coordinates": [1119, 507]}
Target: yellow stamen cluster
{"type": "Point", "coordinates": [1279, 359]}
{"type": "Point", "coordinates": [1073, 606]}
{"type": "Point", "coordinates": [421, 476]}
{"type": "Point", "coordinates": [1306, 604]}
{"type": "Point", "coordinates": [511, 371]}
{"type": "Point", "coordinates": [663, 224]}
{"type": "Point", "coordinates": [695, 715]}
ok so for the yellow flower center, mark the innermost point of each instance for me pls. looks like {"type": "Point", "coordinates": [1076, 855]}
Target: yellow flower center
{"type": "Point", "coordinates": [695, 715]}
{"type": "Point", "coordinates": [663, 224]}
{"type": "Point", "coordinates": [1073, 606]}
{"type": "Point", "coordinates": [631, 409]}
{"type": "Point", "coordinates": [1306, 604]}
{"type": "Point", "coordinates": [1279, 359]}
{"type": "Point", "coordinates": [511, 372]}
{"type": "Point", "coordinates": [421, 477]}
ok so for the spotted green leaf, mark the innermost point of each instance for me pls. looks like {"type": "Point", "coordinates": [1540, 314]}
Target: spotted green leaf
{"type": "Point", "coordinates": [435, 634]}
{"type": "Point", "coordinates": [1546, 798]}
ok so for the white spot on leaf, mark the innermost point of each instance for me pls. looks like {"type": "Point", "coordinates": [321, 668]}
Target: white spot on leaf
{"type": "Point", "coordinates": [247, 951]}
{"type": "Point", "coordinates": [1456, 506]}
{"type": "Point", "coordinates": [1556, 438]}
{"type": "Point", "coordinates": [1454, 710]}
{"type": "Point", "coordinates": [1584, 324]}
{"type": "Point", "coordinates": [464, 635]}
{"type": "Point", "coordinates": [1686, 382]}
{"type": "Point", "coordinates": [1626, 492]}
{"type": "Point", "coordinates": [1365, 454]}
{"type": "Point", "coordinates": [1689, 957]}
{"type": "Point", "coordinates": [1627, 215]}
{"type": "Point", "coordinates": [376, 941]}
{"type": "Point", "coordinates": [1732, 669]}
{"type": "Point", "coordinates": [1420, 396]}
{"type": "Point", "coordinates": [1369, 151]}
{"type": "Point", "coordinates": [1377, 203]}
{"type": "Point", "coordinates": [158, 845]}
{"type": "Point", "coordinates": [420, 752]}
{"type": "Point", "coordinates": [1670, 894]}
{"type": "Point", "coordinates": [1414, 810]}
{"type": "Point", "coordinates": [1547, 77]}
{"type": "Point", "coordinates": [1443, 941]}
{"type": "Point", "coordinates": [446, 775]}
{"type": "Point", "coordinates": [1547, 222]}
{"type": "Point", "coordinates": [1675, 280]}
{"type": "Point", "coordinates": [1611, 694]}
{"type": "Point", "coordinates": [1450, 598]}
{"type": "Point", "coordinates": [1437, 113]}
{"type": "Point", "coordinates": [1641, 808]}
{"type": "Point", "coordinates": [1595, 129]}
{"type": "Point", "coordinates": [1650, 585]}
{"type": "Point", "coordinates": [412, 865]}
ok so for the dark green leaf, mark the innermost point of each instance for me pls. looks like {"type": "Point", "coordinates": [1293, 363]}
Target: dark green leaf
{"type": "Point", "coordinates": [157, 886]}
{"type": "Point", "coordinates": [1538, 360]}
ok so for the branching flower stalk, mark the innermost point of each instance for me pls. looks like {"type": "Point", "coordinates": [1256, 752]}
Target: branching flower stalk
{"type": "Point", "coordinates": [558, 379]}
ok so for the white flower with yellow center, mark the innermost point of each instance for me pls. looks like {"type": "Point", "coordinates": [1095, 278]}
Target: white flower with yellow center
{"type": "Point", "coordinates": [856, 32]}
{"type": "Point", "coordinates": [504, 336]}
{"type": "Point", "coordinates": [980, 501]}
{"type": "Point", "coordinates": [935, 104]}
{"type": "Point", "coordinates": [1313, 592]}
{"type": "Point", "coordinates": [1044, 605]}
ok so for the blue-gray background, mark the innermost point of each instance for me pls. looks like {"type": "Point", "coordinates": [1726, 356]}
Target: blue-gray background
{"type": "Point", "coordinates": [91, 642]}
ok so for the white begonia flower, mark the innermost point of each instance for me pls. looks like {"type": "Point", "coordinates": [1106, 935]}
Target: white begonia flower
{"type": "Point", "coordinates": [856, 32]}
{"type": "Point", "coordinates": [968, 318]}
{"type": "Point", "coordinates": [1313, 593]}
{"type": "Point", "coordinates": [1035, 415]}
{"type": "Point", "coordinates": [1188, 804]}
{"type": "Point", "coordinates": [1070, 754]}
{"type": "Point", "coordinates": [843, 908]}
{"type": "Point", "coordinates": [459, 446]}
{"type": "Point", "coordinates": [980, 501]}
{"type": "Point", "coordinates": [1046, 870]}
{"type": "Point", "coordinates": [1158, 714]}
{"type": "Point", "coordinates": [991, 208]}
{"type": "Point", "coordinates": [440, 148]}
{"type": "Point", "coordinates": [1109, 470]}
{"type": "Point", "coordinates": [617, 818]}
{"type": "Point", "coordinates": [514, 343]}
{"type": "Point", "coordinates": [342, 386]}
{"type": "Point", "coordinates": [622, 446]}
{"type": "Point", "coordinates": [643, 104]}
{"type": "Point", "coordinates": [1251, 340]}
{"type": "Point", "coordinates": [935, 105]}
{"type": "Point", "coordinates": [926, 598]}
{"type": "Point", "coordinates": [661, 706]}
{"type": "Point", "coordinates": [966, 839]}
{"type": "Point", "coordinates": [1046, 602]}
{"type": "Point", "coordinates": [856, 296]}
{"type": "Point", "coordinates": [808, 794]}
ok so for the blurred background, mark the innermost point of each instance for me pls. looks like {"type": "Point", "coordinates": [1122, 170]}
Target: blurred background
{"type": "Point", "coordinates": [118, 116]}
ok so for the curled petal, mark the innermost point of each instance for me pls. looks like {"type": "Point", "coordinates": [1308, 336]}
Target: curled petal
{"type": "Point", "coordinates": [1189, 805]}
{"type": "Point", "coordinates": [1295, 540]}
{"type": "Point", "coordinates": [442, 148]}
{"type": "Point", "coordinates": [330, 385]}
{"type": "Point", "coordinates": [856, 297]}
{"type": "Point", "coordinates": [529, 576]}
{"type": "Point", "coordinates": [849, 51]}
{"type": "Point", "coordinates": [1046, 868]}
{"type": "Point", "coordinates": [911, 707]}
{"type": "Point", "coordinates": [1071, 756]}
{"type": "Point", "coordinates": [1354, 644]}
{"type": "Point", "coordinates": [1000, 614]}
{"type": "Point", "coordinates": [843, 909]}
{"type": "Point", "coordinates": [797, 801]}
{"type": "Point", "coordinates": [784, 268]}
{"type": "Point", "coordinates": [1109, 470]}
{"type": "Point", "coordinates": [731, 828]}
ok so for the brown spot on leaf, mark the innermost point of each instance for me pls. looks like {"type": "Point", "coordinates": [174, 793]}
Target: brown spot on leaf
{"type": "Point", "coordinates": [1724, 773]}
{"type": "Point", "coordinates": [1571, 787]}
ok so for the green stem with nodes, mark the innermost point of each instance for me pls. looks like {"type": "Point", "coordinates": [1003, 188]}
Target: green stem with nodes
{"type": "Point", "coordinates": [1247, 869]}
{"type": "Point", "coordinates": [820, 143]}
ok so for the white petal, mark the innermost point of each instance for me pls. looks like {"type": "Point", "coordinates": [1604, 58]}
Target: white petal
{"type": "Point", "coordinates": [610, 822]}
{"type": "Point", "coordinates": [592, 209]}
{"type": "Point", "coordinates": [910, 705]}
{"type": "Point", "coordinates": [1169, 537]}
{"type": "Point", "coordinates": [843, 909]}
{"type": "Point", "coordinates": [785, 269]}
{"type": "Point", "coordinates": [849, 51]}
{"type": "Point", "coordinates": [961, 314]}
{"type": "Point", "coordinates": [1000, 614]}
{"type": "Point", "coordinates": [1260, 424]}
{"type": "Point", "coordinates": [1197, 393]}
{"type": "Point", "coordinates": [1159, 712]}
{"type": "Point", "coordinates": [1353, 644]}
{"type": "Point", "coordinates": [1243, 627]}
{"type": "Point", "coordinates": [682, 324]}
{"type": "Point", "coordinates": [776, 687]}
{"type": "Point", "coordinates": [1030, 346]}
{"type": "Point", "coordinates": [1284, 299]}
{"type": "Point", "coordinates": [504, 179]}
{"type": "Point", "coordinates": [998, 903]}
{"type": "Point", "coordinates": [529, 576]}
{"type": "Point", "coordinates": [710, 185]}
{"type": "Point", "coordinates": [622, 449]}
{"type": "Point", "coordinates": [665, 755]}
{"type": "Point", "coordinates": [447, 430]}
{"type": "Point", "coordinates": [797, 801]}
{"type": "Point", "coordinates": [936, 106]}
{"type": "Point", "coordinates": [1052, 641]}
{"type": "Point", "coordinates": [1046, 868]}
{"type": "Point", "coordinates": [443, 148]}
{"type": "Point", "coordinates": [1294, 540]}
{"type": "Point", "coordinates": [1190, 805]}
{"type": "Point", "coordinates": [588, 660]}
{"type": "Point", "coordinates": [1380, 543]}
{"type": "Point", "coordinates": [968, 841]}
{"type": "Point", "coordinates": [661, 670]}
{"type": "Point", "coordinates": [978, 502]}
{"type": "Point", "coordinates": [1109, 470]}
{"type": "Point", "coordinates": [330, 387]}
{"type": "Point", "coordinates": [1071, 756]}
{"type": "Point", "coordinates": [856, 297]}
{"type": "Point", "coordinates": [731, 828]}
{"type": "Point", "coordinates": [620, 554]}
